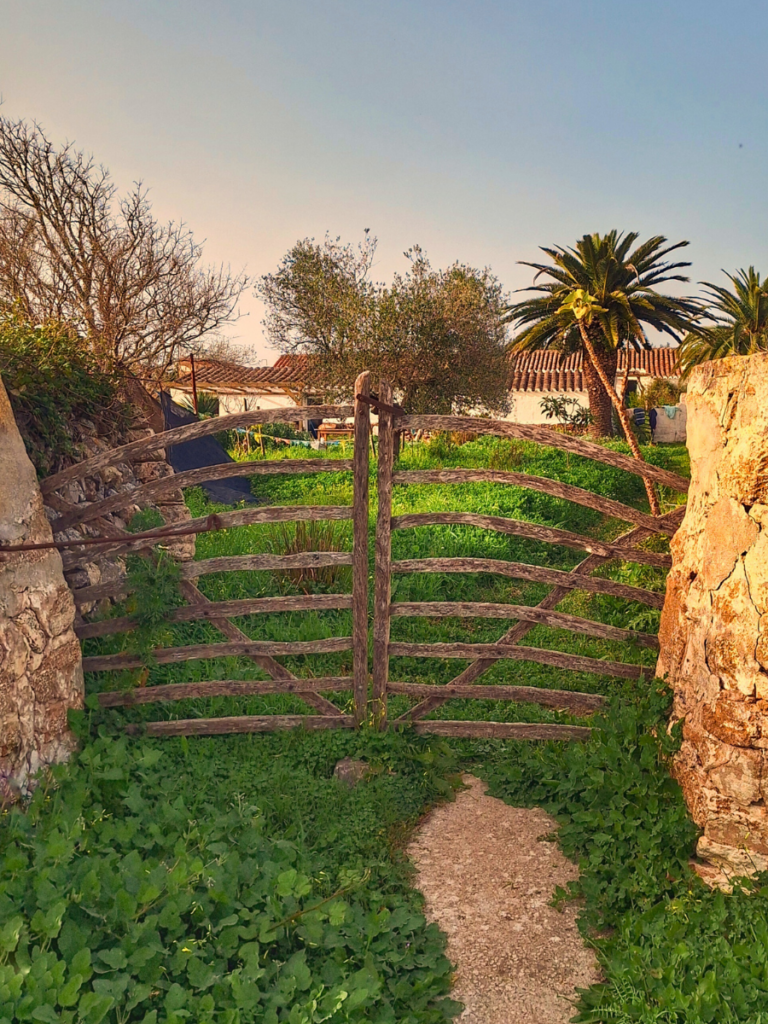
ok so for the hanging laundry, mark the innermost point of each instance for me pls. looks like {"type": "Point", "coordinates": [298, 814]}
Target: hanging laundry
{"type": "Point", "coordinates": [671, 411]}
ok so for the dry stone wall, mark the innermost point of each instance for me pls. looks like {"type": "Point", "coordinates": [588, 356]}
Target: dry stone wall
{"type": "Point", "coordinates": [714, 629]}
{"type": "Point", "coordinates": [125, 476]}
{"type": "Point", "coordinates": [41, 675]}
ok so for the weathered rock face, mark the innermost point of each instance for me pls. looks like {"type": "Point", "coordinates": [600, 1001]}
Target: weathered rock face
{"type": "Point", "coordinates": [41, 673]}
{"type": "Point", "coordinates": [714, 628]}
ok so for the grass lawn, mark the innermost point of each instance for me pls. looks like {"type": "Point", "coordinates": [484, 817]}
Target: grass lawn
{"type": "Point", "coordinates": [234, 879]}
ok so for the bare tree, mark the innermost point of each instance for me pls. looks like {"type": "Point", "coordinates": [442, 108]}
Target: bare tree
{"type": "Point", "coordinates": [71, 249]}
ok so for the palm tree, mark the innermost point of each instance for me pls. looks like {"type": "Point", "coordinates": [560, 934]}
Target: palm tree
{"type": "Point", "coordinates": [739, 321]}
{"type": "Point", "coordinates": [600, 299]}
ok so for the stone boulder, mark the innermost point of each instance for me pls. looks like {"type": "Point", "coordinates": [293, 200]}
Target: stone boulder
{"type": "Point", "coordinates": [714, 628]}
{"type": "Point", "coordinates": [41, 674]}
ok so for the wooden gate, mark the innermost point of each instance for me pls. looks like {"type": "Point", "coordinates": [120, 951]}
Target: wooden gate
{"type": "Point", "coordinates": [220, 614]}
{"type": "Point", "coordinates": [482, 657]}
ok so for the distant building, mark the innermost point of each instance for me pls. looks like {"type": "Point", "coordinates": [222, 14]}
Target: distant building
{"type": "Point", "coordinates": [538, 375]}
{"type": "Point", "coordinates": [247, 388]}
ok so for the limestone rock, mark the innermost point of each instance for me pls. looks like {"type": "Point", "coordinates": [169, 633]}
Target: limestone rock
{"type": "Point", "coordinates": [350, 771]}
{"type": "Point", "coordinates": [41, 673]}
{"type": "Point", "coordinates": [714, 628]}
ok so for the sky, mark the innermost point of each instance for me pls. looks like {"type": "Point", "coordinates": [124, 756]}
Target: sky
{"type": "Point", "coordinates": [476, 130]}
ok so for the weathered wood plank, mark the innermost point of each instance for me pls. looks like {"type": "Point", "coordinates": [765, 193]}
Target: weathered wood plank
{"type": "Point", "coordinates": [531, 531]}
{"type": "Point", "coordinates": [219, 609]}
{"type": "Point", "coordinates": [532, 573]}
{"type": "Point", "coordinates": [259, 563]}
{"type": "Point", "coordinates": [241, 724]}
{"type": "Point", "coordinates": [222, 688]}
{"type": "Point", "coordinates": [546, 436]}
{"type": "Point", "coordinates": [570, 700]}
{"type": "Point", "coordinates": [383, 560]}
{"type": "Point", "coordinates": [525, 613]}
{"type": "Point", "coordinates": [150, 491]}
{"type": "Point", "coordinates": [190, 432]}
{"type": "Point", "coordinates": [360, 546]}
{"type": "Point", "coordinates": [193, 652]}
{"type": "Point", "coordinates": [556, 489]}
{"type": "Point", "coordinates": [513, 652]}
{"type": "Point", "coordinates": [502, 730]}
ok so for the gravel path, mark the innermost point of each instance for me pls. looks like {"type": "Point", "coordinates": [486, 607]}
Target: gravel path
{"type": "Point", "coordinates": [487, 881]}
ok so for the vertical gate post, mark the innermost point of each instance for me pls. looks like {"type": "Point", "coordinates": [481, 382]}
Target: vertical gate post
{"type": "Point", "coordinates": [360, 546]}
{"type": "Point", "coordinates": [382, 576]}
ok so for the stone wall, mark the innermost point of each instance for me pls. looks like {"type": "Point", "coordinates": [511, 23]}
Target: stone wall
{"type": "Point", "coordinates": [146, 419]}
{"type": "Point", "coordinates": [40, 665]}
{"type": "Point", "coordinates": [714, 628]}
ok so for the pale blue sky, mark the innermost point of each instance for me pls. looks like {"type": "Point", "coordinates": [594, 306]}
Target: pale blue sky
{"type": "Point", "coordinates": [478, 130]}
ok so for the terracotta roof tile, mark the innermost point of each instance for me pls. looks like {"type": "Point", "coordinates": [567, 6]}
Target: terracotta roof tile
{"type": "Point", "coordinates": [548, 371]}
{"type": "Point", "coordinates": [210, 373]}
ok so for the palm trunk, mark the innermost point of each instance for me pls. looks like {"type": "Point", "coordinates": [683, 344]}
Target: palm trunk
{"type": "Point", "coordinates": [600, 405]}
{"type": "Point", "coordinates": [621, 412]}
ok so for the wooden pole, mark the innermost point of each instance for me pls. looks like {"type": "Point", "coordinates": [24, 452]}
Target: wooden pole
{"type": "Point", "coordinates": [360, 547]}
{"type": "Point", "coordinates": [194, 382]}
{"type": "Point", "coordinates": [382, 578]}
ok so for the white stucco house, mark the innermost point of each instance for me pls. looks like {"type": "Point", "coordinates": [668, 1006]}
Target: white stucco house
{"type": "Point", "coordinates": [247, 388]}
{"type": "Point", "coordinates": [538, 375]}
{"type": "Point", "coordinates": [533, 377]}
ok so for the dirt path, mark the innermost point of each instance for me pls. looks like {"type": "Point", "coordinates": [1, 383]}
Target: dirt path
{"type": "Point", "coordinates": [487, 881]}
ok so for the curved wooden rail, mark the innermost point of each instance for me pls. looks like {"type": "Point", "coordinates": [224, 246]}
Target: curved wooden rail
{"type": "Point", "coordinates": [554, 488]}
{"type": "Point", "coordinates": [261, 563]}
{"type": "Point", "coordinates": [532, 573]}
{"type": "Point", "coordinates": [565, 700]}
{"type": "Point", "coordinates": [225, 563]}
{"type": "Point", "coordinates": [513, 652]}
{"type": "Point", "coordinates": [531, 531]}
{"type": "Point", "coordinates": [245, 724]}
{"type": "Point", "coordinates": [500, 730]}
{"type": "Point", "coordinates": [224, 609]}
{"type": "Point", "coordinates": [195, 652]}
{"type": "Point", "coordinates": [269, 467]}
{"type": "Point", "coordinates": [523, 613]}
{"type": "Point", "coordinates": [222, 688]}
{"type": "Point", "coordinates": [190, 432]}
{"type": "Point", "coordinates": [546, 436]}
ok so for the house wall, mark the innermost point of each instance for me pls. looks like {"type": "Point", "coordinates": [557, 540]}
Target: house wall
{"type": "Point", "coordinates": [525, 406]}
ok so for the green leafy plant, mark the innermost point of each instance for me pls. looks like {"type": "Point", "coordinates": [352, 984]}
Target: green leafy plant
{"type": "Point", "coordinates": [207, 405]}
{"type": "Point", "coordinates": [140, 886]}
{"type": "Point", "coordinates": [52, 380]}
{"type": "Point", "coordinates": [568, 411]}
{"type": "Point", "coordinates": [153, 586]}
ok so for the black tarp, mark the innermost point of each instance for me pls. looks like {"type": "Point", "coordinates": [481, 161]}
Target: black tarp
{"type": "Point", "coordinates": [204, 451]}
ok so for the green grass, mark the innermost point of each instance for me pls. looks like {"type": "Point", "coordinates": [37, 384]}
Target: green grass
{"type": "Point", "coordinates": [283, 896]}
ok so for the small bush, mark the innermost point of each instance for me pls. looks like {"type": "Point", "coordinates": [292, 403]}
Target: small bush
{"type": "Point", "coordinates": [52, 379]}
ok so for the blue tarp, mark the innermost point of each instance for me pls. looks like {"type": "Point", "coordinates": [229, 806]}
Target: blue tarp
{"type": "Point", "coordinates": [204, 451]}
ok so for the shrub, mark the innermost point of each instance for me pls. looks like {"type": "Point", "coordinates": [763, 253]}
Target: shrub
{"type": "Point", "coordinates": [52, 379]}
